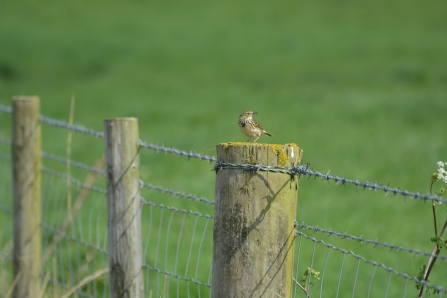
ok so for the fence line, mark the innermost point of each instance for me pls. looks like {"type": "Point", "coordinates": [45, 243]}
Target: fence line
{"type": "Point", "coordinates": [73, 180]}
{"type": "Point", "coordinates": [368, 241]}
{"type": "Point", "coordinates": [176, 193]}
{"type": "Point", "coordinates": [177, 276]}
{"type": "Point", "coordinates": [303, 170]}
{"type": "Point", "coordinates": [144, 202]}
{"type": "Point", "coordinates": [300, 170]}
{"type": "Point", "coordinates": [190, 154]}
{"type": "Point", "coordinates": [164, 271]}
{"type": "Point", "coordinates": [73, 239]}
{"type": "Point", "coordinates": [375, 264]}
{"type": "Point", "coordinates": [194, 197]}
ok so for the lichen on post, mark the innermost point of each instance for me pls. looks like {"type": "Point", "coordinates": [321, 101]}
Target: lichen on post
{"type": "Point", "coordinates": [254, 222]}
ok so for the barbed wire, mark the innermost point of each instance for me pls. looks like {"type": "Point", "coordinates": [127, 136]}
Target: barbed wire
{"type": "Point", "coordinates": [99, 134]}
{"type": "Point", "coordinates": [6, 256]}
{"type": "Point", "coordinates": [73, 239]}
{"type": "Point", "coordinates": [144, 202]}
{"type": "Point", "coordinates": [60, 123]}
{"type": "Point", "coordinates": [175, 193]}
{"type": "Point", "coordinates": [375, 264]}
{"type": "Point", "coordinates": [367, 241]}
{"type": "Point", "coordinates": [57, 158]}
{"type": "Point", "coordinates": [5, 109]}
{"type": "Point", "coordinates": [5, 156]}
{"type": "Point", "coordinates": [73, 127]}
{"type": "Point", "coordinates": [73, 163]}
{"type": "Point", "coordinates": [73, 180]}
{"type": "Point", "coordinates": [176, 276]}
{"type": "Point", "coordinates": [6, 209]}
{"type": "Point", "coordinates": [190, 154]}
{"type": "Point", "coordinates": [5, 142]}
{"type": "Point", "coordinates": [303, 170]}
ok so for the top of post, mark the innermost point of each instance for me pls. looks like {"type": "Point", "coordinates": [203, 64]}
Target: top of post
{"type": "Point", "coordinates": [257, 153]}
{"type": "Point", "coordinates": [122, 119]}
{"type": "Point", "coordinates": [21, 98]}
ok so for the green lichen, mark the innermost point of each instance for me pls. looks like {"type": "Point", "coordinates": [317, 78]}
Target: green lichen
{"type": "Point", "coordinates": [226, 147]}
{"type": "Point", "coordinates": [278, 149]}
{"type": "Point", "coordinates": [280, 153]}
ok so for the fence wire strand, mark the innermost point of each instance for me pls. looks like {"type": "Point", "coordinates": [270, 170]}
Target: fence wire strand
{"type": "Point", "coordinates": [190, 154]}
{"type": "Point", "coordinates": [375, 243]}
{"type": "Point", "coordinates": [374, 263]}
{"type": "Point", "coordinates": [303, 171]}
{"type": "Point", "coordinates": [98, 134]}
{"type": "Point", "coordinates": [172, 192]}
{"type": "Point", "coordinates": [144, 202]}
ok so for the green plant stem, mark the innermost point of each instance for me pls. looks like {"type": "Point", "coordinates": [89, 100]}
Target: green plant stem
{"type": "Point", "coordinates": [434, 210]}
{"type": "Point", "coordinates": [302, 288]}
{"type": "Point", "coordinates": [434, 219]}
{"type": "Point", "coordinates": [431, 262]}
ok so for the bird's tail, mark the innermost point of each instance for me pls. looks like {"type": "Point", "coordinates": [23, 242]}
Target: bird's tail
{"type": "Point", "coordinates": [267, 133]}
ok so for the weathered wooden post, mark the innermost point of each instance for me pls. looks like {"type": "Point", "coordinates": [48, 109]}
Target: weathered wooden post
{"type": "Point", "coordinates": [26, 146]}
{"type": "Point", "coordinates": [123, 204]}
{"type": "Point", "coordinates": [254, 222]}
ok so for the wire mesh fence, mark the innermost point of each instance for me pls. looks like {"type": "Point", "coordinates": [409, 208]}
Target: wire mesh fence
{"type": "Point", "coordinates": [177, 234]}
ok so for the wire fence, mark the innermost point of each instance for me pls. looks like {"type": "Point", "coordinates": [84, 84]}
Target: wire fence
{"type": "Point", "coordinates": [177, 234]}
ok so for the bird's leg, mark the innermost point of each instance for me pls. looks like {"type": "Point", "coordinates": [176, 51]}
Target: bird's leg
{"type": "Point", "coordinates": [256, 139]}
{"type": "Point", "coordinates": [248, 139]}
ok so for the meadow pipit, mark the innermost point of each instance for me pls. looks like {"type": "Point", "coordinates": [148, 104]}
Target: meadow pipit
{"type": "Point", "coordinates": [250, 127]}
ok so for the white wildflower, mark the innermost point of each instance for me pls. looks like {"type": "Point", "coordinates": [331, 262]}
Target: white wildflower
{"type": "Point", "coordinates": [442, 173]}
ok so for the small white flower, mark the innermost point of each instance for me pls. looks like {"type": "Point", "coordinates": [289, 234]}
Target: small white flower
{"type": "Point", "coordinates": [441, 171]}
{"type": "Point", "coordinates": [445, 179]}
{"type": "Point", "coordinates": [441, 176]}
{"type": "Point", "coordinates": [440, 164]}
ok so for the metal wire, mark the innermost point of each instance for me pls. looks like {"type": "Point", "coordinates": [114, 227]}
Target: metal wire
{"type": "Point", "coordinates": [303, 170]}
{"type": "Point", "coordinates": [375, 264]}
{"type": "Point", "coordinates": [98, 134]}
{"type": "Point", "coordinates": [190, 154]}
{"type": "Point", "coordinates": [176, 276]}
{"type": "Point", "coordinates": [144, 202]}
{"type": "Point", "coordinates": [175, 193]}
{"type": "Point", "coordinates": [368, 241]}
{"type": "Point", "coordinates": [73, 163]}
{"type": "Point", "coordinates": [5, 109]}
{"type": "Point", "coordinates": [73, 180]}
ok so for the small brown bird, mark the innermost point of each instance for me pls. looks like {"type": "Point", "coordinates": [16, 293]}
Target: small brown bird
{"type": "Point", "coordinates": [249, 127]}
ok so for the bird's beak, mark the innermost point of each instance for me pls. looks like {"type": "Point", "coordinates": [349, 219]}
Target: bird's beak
{"type": "Point", "coordinates": [255, 112]}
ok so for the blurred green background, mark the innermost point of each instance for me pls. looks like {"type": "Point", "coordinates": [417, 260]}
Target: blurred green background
{"type": "Point", "coordinates": [360, 86]}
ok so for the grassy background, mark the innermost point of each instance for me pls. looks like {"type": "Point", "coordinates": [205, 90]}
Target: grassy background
{"type": "Point", "coordinates": [361, 86]}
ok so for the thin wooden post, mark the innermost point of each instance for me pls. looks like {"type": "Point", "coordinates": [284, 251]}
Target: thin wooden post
{"type": "Point", "coordinates": [26, 173]}
{"type": "Point", "coordinates": [123, 204]}
{"type": "Point", "coordinates": [254, 222]}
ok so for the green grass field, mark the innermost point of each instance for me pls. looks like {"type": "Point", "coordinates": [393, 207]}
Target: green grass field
{"type": "Point", "coordinates": [360, 86]}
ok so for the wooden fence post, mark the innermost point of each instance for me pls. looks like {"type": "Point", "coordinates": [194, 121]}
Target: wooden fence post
{"type": "Point", "coordinates": [123, 204]}
{"type": "Point", "coordinates": [254, 222]}
{"type": "Point", "coordinates": [26, 173]}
